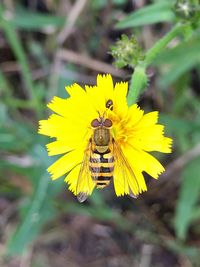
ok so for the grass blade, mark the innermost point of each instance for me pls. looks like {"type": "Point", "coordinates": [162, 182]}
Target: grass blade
{"type": "Point", "coordinates": [189, 195]}
{"type": "Point", "coordinates": [19, 52]}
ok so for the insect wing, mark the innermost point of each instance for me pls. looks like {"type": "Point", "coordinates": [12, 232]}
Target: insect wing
{"type": "Point", "coordinates": [125, 181]}
{"type": "Point", "coordinates": [85, 184]}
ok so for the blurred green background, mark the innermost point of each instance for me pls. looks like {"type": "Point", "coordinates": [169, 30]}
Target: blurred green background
{"type": "Point", "coordinates": [48, 44]}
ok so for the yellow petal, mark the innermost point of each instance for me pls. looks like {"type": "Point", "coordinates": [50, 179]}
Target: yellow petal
{"type": "Point", "coordinates": [143, 161]}
{"type": "Point", "coordinates": [120, 106]}
{"type": "Point", "coordinates": [124, 183]}
{"type": "Point", "coordinates": [80, 106]}
{"type": "Point", "coordinates": [150, 138]}
{"type": "Point", "coordinates": [75, 90]}
{"type": "Point", "coordinates": [59, 106]}
{"type": "Point", "coordinates": [59, 127]}
{"type": "Point", "coordinates": [140, 178]}
{"type": "Point", "coordinates": [134, 115]}
{"type": "Point", "coordinates": [105, 86]}
{"type": "Point", "coordinates": [59, 147]}
{"type": "Point", "coordinates": [166, 145]}
{"type": "Point", "coordinates": [120, 182]}
{"type": "Point", "coordinates": [127, 178]}
{"type": "Point", "coordinates": [72, 178]}
{"type": "Point", "coordinates": [148, 119]}
{"type": "Point", "coordinates": [163, 145]}
{"type": "Point", "coordinates": [151, 165]}
{"type": "Point", "coordinates": [54, 126]}
{"type": "Point", "coordinates": [66, 163]}
{"type": "Point", "coordinates": [83, 184]}
{"type": "Point", "coordinates": [96, 100]}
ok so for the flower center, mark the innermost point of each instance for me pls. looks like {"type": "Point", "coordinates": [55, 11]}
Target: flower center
{"type": "Point", "coordinates": [121, 130]}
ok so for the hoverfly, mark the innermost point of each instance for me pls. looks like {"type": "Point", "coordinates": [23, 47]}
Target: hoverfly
{"type": "Point", "coordinates": [102, 159]}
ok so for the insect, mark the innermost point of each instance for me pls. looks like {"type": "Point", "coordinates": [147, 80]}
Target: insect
{"type": "Point", "coordinates": [102, 159]}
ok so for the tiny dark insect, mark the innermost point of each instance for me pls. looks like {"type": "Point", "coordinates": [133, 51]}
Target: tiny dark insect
{"type": "Point", "coordinates": [109, 104]}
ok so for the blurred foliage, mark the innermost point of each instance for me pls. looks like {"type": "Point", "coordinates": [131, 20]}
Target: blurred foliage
{"type": "Point", "coordinates": [33, 68]}
{"type": "Point", "coordinates": [160, 11]}
{"type": "Point", "coordinates": [179, 65]}
{"type": "Point", "coordinates": [187, 210]}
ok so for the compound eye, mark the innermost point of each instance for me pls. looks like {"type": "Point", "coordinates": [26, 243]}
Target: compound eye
{"type": "Point", "coordinates": [107, 123]}
{"type": "Point", "coordinates": [95, 123]}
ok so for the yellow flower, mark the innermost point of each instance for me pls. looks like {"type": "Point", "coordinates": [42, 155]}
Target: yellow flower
{"type": "Point", "coordinates": [133, 135]}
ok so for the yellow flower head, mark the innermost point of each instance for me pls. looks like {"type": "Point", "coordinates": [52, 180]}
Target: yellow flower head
{"type": "Point", "coordinates": [103, 139]}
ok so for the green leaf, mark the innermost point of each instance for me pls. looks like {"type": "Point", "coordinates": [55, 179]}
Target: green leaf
{"type": "Point", "coordinates": [179, 61]}
{"type": "Point", "coordinates": [172, 55]}
{"type": "Point", "coordinates": [181, 128]}
{"type": "Point", "coordinates": [14, 136]}
{"type": "Point", "coordinates": [189, 194]}
{"type": "Point", "coordinates": [154, 13]}
{"type": "Point", "coordinates": [27, 20]}
{"type": "Point", "coordinates": [179, 125]}
{"type": "Point", "coordinates": [3, 83]}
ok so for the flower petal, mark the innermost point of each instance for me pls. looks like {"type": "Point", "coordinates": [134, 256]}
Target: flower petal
{"type": "Point", "coordinates": [151, 165]}
{"type": "Point", "coordinates": [127, 184]}
{"type": "Point", "coordinates": [72, 178]}
{"type": "Point", "coordinates": [143, 161]}
{"type": "Point", "coordinates": [120, 106]}
{"type": "Point", "coordinates": [150, 138]}
{"type": "Point", "coordinates": [75, 90]}
{"type": "Point", "coordinates": [59, 106]}
{"type": "Point", "coordinates": [148, 119]}
{"type": "Point", "coordinates": [84, 185]}
{"type": "Point", "coordinates": [66, 163]}
{"type": "Point", "coordinates": [59, 147]}
{"type": "Point", "coordinates": [127, 178]}
{"type": "Point", "coordinates": [135, 114]}
{"type": "Point", "coordinates": [140, 178]}
{"type": "Point", "coordinates": [59, 127]}
{"type": "Point", "coordinates": [54, 126]}
{"type": "Point", "coordinates": [105, 86]}
{"type": "Point", "coordinates": [96, 100]}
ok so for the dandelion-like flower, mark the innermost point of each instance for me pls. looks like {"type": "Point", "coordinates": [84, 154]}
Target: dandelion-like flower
{"type": "Point", "coordinates": [101, 139]}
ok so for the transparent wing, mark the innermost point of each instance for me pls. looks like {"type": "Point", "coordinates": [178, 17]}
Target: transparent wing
{"type": "Point", "coordinates": [85, 184]}
{"type": "Point", "coordinates": [125, 181]}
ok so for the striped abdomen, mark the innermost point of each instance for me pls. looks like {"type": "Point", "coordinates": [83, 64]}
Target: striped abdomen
{"type": "Point", "coordinates": [101, 167]}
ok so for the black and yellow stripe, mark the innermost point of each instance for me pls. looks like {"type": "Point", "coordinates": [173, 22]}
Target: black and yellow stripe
{"type": "Point", "coordinates": [101, 167]}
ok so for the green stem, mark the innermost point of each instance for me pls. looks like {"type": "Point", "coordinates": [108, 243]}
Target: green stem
{"type": "Point", "coordinates": [137, 84]}
{"type": "Point", "coordinates": [162, 43]}
{"type": "Point", "coordinates": [139, 78]}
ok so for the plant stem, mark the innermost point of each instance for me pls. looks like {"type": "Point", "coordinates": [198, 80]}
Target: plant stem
{"type": "Point", "coordinates": [162, 43]}
{"type": "Point", "coordinates": [139, 78]}
{"type": "Point", "coordinates": [137, 84]}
